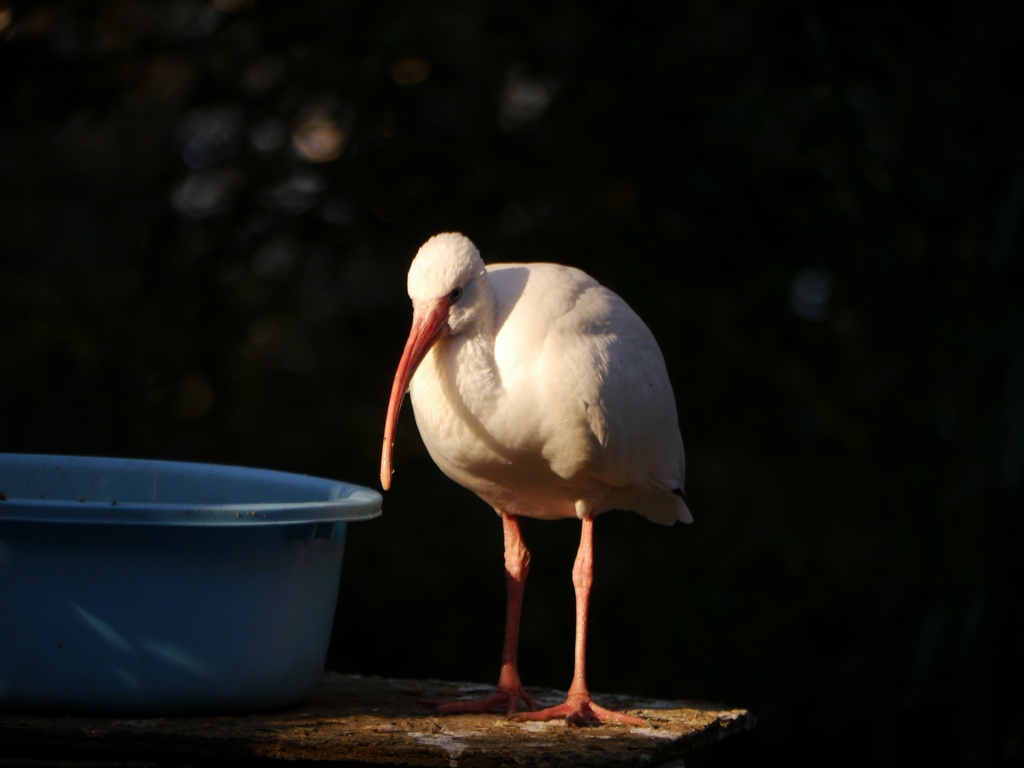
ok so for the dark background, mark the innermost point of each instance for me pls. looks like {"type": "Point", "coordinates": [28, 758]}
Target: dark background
{"type": "Point", "coordinates": [206, 215]}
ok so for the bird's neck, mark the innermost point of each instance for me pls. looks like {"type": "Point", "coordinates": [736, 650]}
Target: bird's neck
{"type": "Point", "coordinates": [461, 370]}
{"type": "Point", "coordinates": [474, 373]}
{"type": "Point", "coordinates": [469, 364]}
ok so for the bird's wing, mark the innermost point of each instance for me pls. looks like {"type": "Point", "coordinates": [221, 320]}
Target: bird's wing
{"type": "Point", "coordinates": [603, 407]}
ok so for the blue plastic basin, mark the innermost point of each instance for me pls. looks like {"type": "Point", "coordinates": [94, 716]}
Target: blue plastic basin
{"type": "Point", "coordinates": [156, 588]}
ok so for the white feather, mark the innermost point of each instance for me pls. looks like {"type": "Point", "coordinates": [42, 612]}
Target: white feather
{"type": "Point", "coordinates": [550, 397]}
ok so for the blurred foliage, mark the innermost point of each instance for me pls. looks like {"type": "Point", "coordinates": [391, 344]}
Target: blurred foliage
{"type": "Point", "coordinates": [206, 214]}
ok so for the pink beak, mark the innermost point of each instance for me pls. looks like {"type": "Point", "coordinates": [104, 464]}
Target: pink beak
{"type": "Point", "coordinates": [429, 323]}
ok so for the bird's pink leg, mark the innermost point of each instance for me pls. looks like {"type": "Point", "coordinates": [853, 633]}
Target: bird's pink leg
{"type": "Point", "coordinates": [510, 689]}
{"type": "Point", "coordinates": [578, 708]}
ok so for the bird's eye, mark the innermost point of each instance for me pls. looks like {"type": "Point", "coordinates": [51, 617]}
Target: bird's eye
{"type": "Point", "coordinates": [455, 295]}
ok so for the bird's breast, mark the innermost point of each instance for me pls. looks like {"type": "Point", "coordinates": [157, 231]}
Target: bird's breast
{"type": "Point", "coordinates": [481, 442]}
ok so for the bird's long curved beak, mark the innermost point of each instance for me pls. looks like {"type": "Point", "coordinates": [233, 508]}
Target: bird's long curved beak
{"type": "Point", "coordinates": [429, 323]}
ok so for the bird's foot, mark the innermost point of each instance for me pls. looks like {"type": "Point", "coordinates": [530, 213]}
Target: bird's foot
{"type": "Point", "coordinates": [581, 711]}
{"type": "Point", "coordinates": [502, 699]}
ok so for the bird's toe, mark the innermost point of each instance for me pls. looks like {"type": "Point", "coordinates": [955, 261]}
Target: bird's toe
{"type": "Point", "coordinates": [580, 713]}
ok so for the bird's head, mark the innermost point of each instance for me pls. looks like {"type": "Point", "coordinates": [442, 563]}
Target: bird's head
{"type": "Point", "coordinates": [445, 281]}
{"type": "Point", "coordinates": [448, 287]}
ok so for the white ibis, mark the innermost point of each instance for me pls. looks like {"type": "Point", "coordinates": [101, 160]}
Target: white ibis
{"type": "Point", "coordinates": [542, 392]}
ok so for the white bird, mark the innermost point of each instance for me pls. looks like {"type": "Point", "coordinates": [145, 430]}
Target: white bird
{"type": "Point", "coordinates": [542, 392]}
